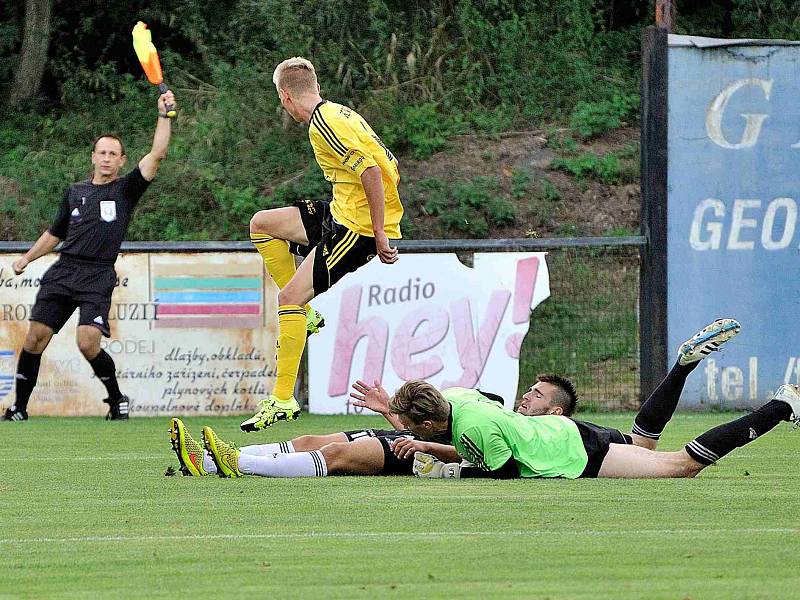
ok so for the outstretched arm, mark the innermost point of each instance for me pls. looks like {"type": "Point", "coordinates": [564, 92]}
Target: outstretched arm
{"type": "Point", "coordinates": [149, 164]}
{"type": "Point", "coordinates": [376, 399]}
{"type": "Point", "coordinates": [44, 245]}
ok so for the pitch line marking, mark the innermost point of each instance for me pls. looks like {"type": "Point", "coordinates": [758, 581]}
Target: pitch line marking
{"type": "Point", "coordinates": [82, 458]}
{"type": "Point", "coordinates": [391, 534]}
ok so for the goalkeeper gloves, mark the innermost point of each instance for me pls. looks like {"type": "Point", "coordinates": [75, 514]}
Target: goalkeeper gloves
{"type": "Point", "coordinates": [428, 466]}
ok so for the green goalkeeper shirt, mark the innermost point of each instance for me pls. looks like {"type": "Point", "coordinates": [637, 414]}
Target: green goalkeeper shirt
{"type": "Point", "coordinates": [488, 435]}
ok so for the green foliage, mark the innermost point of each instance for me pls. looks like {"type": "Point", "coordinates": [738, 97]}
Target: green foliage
{"type": "Point", "coordinates": [587, 328]}
{"type": "Point", "coordinates": [422, 130]}
{"type": "Point", "coordinates": [593, 118]}
{"type": "Point", "coordinates": [419, 71]}
{"type": "Point", "coordinates": [612, 168]}
{"type": "Point", "coordinates": [548, 191]}
{"type": "Point", "coordinates": [602, 168]}
{"type": "Point", "coordinates": [622, 232]}
{"type": "Point", "coordinates": [521, 181]}
{"type": "Point", "coordinates": [467, 207]}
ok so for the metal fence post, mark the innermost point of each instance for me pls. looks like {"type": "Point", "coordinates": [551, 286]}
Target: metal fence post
{"type": "Point", "coordinates": [653, 275]}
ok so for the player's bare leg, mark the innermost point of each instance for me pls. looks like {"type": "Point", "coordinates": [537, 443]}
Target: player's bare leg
{"type": "Point", "coordinates": [304, 443]}
{"type": "Point", "coordinates": [634, 462]}
{"type": "Point", "coordinates": [37, 338]}
{"type": "Point", "coordinates": [280, 223]}
{"type": "Point", "coordinates": [361, 457]}
{"type": "Point", "coordinates": [705, 449]}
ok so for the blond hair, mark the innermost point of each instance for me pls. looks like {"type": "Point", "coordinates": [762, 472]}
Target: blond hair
{"type": "Point", "coordinates": [419, 401]}
{"type": "Point", "coordinates": [295, 75]}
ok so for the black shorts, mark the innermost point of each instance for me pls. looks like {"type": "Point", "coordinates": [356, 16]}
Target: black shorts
{"type": "Point", "coordinates": [72, 283]}
{"type": "Point", "coordinates": [391, 464]}
{"type": "Point", "coordinates": [596, 441]}
{"type": "Point", "coordinates": [339, 250]}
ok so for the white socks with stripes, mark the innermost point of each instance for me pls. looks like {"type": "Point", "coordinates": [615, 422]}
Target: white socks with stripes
{"type": "Point", "coordinates": [297, 464]}
{"type": "Point", "coordinates": [208, 463]}
{"type": "Point", "coordinates": [267, 449]}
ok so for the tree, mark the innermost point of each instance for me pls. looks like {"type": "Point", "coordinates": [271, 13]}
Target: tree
{"type": "Point", "coordinates": [33, 55]}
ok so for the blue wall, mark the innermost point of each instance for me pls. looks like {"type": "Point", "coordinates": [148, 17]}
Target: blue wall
{"type": "Point", "coordinates": [733, 231]}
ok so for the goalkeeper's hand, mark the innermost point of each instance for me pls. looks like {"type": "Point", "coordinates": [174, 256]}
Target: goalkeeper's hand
{"type": "Point", "coordinates": [428, 466]}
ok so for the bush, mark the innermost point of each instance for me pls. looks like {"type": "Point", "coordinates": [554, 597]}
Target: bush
{"type": "Point", "coordinates": [613, 169]}
{"type": "Point", "coordinates": [468, 207]}
{"type": "Point", "coordinates": [593, 118]}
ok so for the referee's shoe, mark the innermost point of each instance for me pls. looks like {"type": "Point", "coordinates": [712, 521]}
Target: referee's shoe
{"type": "Point", "coordinates": [118, 411]}
{"type": "Point", "coordinates": [14, 414]}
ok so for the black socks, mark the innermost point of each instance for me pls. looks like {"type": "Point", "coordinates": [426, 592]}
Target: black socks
{"type": "Point", "coordinates": [27, 374]}
{"type": "Point", "coordinates": [105, 370]}
{"type": "Point", "coordinates": [658, 409]}
{"type": "Point", "coordinates": [716, 443]}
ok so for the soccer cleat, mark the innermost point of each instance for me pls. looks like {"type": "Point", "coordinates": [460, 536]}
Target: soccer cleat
{"type": "Point", "coordinates": [428, 466]}
{"type": "Point", "coordinates": [188, 449]}
{"type": "Point", "coordinates": [226, 456]}
{"type": "Point", "coordinates": [791, 395]}
{"type": "Point", "coordinates": [270, 411]}
{"type": "Point", "coordinates": [314, 322]}
{"type": "Point", "coordinates": [118, 411]}
{"type": "Point", "coordinates": [707, 340]}
{"type": "Point", "coordinates": [14, 414]}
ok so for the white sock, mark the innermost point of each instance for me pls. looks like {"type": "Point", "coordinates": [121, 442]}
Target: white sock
{"type": "Point", "coordinates": [208, 463]}
{"type": "Point", "coordinates": [297, 464]}
{"type": "Point", "coordinates": [267, 449]}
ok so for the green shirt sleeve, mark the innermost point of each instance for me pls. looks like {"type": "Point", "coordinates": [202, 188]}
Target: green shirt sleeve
{"type": "Point", "coordinates": [485, 447]}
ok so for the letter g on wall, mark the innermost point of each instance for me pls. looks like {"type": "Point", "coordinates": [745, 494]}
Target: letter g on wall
{"type": "Point", "coordinates": [753, 122]}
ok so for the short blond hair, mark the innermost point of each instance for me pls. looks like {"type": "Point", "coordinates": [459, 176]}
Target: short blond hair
{"type": "Point", "coordinates": [295, 75]}
{"type": "Point", "coordinates": [419, 401]}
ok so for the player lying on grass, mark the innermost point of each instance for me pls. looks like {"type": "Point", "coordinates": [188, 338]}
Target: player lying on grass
{"type": "Point", "coordinates": [505, 445]}
{"type": "Point", "coordinates": [390, 452]}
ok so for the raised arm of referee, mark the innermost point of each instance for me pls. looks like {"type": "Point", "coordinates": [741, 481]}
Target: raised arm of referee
{"type": "Point", "coordinates": [92, 220]}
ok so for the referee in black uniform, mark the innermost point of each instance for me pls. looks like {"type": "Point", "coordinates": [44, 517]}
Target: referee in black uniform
{"type": "Point", "coordinates": [92, 221]}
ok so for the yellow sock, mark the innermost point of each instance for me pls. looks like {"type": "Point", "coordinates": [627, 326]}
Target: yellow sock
{"type": "Point", "coordinates": [291, 341]}
{"type": "Point", "coordinates": [277, 258]}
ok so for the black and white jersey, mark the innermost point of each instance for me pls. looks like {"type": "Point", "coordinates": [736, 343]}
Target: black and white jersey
{"type": "Point", "coordinates": [93, 219]}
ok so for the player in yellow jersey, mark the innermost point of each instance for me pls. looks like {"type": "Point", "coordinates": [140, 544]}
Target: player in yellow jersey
{"type": "Point", "coordinates": [335, 237]}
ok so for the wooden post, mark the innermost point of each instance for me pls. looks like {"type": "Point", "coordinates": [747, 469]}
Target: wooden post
{"type": "Point", "coordinates": [665, 14]}
{"type": "Point", "coordinates": [653, 269]}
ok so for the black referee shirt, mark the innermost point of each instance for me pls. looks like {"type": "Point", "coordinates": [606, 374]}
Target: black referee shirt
{"type": "Point", "coordinates": [92, 219]}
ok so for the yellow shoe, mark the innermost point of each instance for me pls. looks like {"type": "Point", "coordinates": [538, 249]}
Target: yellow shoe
{"type": "Point", "coordinates": [188, 449]}
{"type": "Point", "coordinates": [226, 456]}
{"type": "Point", "coordinates": [314, 322]}
{"type": "Point", "coordinates": [271, 410]}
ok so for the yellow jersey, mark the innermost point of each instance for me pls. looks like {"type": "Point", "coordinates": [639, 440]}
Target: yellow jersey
{"type": "Point", "coordinates": [345, 146]}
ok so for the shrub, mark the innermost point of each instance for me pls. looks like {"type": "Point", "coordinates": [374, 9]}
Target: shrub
{"type": "Point", "coordinates": [593, 118]}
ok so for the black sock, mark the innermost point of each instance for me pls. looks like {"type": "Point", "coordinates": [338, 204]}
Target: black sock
{"type": "Point", "coordinates": [658, 409]}
{"type": "Point", "coordinates": [27, 374]}
{"type": "Point", "coordinates": [716, 443]}
{"type": "Point", "coordinates": [106, 372]}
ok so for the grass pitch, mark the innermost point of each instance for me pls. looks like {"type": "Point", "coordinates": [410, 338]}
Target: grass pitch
{"type": "Point", "coordinates": [86, 511]}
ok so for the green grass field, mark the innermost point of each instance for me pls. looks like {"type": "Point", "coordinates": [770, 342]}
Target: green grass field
{"type": "Point", "coordinates": [86, 511]}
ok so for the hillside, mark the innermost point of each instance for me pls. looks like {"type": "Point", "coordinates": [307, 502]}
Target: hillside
{"type": "Point", "coordinates": [549, 182]}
